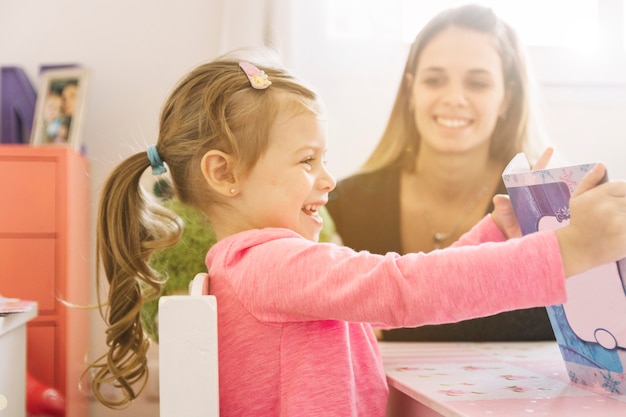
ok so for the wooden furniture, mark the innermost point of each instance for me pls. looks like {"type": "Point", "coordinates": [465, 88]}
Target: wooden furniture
{"type": "Point", "coordinates": [44, 256]}
{"type": "Point", "coordinates": [13, 363]}
{"type": "Point", "coordinates": [512, 379]}
{"type": "Point", "coordinates": [188, 356]}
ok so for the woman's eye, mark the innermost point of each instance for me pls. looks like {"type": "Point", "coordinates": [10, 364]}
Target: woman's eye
{"type": "Point", "coordinates": [478, 84]}
{"type": "Point", "coordinates": [308, 161]}
{"type": "Point", "coordinates": [432, 81]}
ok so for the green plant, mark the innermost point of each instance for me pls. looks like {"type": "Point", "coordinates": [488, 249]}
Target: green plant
{"type": "Point", "coordinates": [181, 262]}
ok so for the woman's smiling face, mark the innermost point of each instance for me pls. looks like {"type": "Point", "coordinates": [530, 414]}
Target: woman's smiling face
{"type": "Point", "coordinates": [458, 91]}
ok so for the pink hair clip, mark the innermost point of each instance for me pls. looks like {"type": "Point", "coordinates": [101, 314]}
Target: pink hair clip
{"type": "Point", "coordinates": [258, 78]}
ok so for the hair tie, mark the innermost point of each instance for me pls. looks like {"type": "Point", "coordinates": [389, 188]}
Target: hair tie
{"type": "Point", "coordinates": [155, 160]}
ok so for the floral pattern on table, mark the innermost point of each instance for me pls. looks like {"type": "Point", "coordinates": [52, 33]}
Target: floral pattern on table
{"type": "Point", "coordinates": [493, 379]}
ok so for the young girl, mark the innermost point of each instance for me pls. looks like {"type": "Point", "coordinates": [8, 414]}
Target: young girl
{"type": "Point", "coordinates": [245, 143]}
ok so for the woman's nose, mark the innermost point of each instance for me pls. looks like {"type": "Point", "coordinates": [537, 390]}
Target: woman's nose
{"type": "Point", "coordinates": [454, 95]}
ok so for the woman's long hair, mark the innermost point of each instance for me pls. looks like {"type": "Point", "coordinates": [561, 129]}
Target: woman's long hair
{"type": "Point", "coordinates": [514, 133]}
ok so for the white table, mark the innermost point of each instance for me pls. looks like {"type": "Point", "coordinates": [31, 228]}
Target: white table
{"type": "Point", "coordinates": [518, 379]}
{"type": "Point", "coordinates": [13, 362]}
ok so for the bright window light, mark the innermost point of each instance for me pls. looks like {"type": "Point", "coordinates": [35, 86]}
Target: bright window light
{"type": "Point", "coordinates": [558, 23]}
{"type": "Point", "coordinates": [568, 41]}
{"type": "Point", "coordinates": [561, 23]}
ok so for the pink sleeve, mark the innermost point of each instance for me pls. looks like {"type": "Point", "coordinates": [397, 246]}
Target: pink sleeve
{"type": "Point", "coordinates": [484, 231]}
{"type": "Point", "coordinates": [311, 281]}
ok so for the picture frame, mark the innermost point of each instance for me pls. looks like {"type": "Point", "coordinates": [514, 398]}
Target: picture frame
{"type": "Point", "coordinates": [60, 107]}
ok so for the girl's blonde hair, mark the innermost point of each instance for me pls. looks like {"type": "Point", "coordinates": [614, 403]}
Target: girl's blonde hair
{"type": "Point", "coordinates": [515, 132]}
{"type": "Point", "coordinates": [213, 107]}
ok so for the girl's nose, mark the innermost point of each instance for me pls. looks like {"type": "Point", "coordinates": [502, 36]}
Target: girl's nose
{"type": "Point", "coordinates": [326, 181]}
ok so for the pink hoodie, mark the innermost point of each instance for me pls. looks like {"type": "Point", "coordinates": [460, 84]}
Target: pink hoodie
{"type": "Point", "coordinates": [294, 316]}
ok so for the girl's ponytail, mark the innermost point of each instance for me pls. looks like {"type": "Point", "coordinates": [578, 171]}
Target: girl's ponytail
{"type": "Point", "coordinates": [131, 226]}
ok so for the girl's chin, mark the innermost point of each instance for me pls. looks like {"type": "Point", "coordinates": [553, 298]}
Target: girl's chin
{"type": "Point", "coordinates": [311, 226]}
{"type": "Point", "coordinates": [312, 234]}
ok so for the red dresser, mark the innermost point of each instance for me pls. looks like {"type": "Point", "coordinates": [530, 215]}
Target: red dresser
{"type": "Point", "coordinates": [45, 256]}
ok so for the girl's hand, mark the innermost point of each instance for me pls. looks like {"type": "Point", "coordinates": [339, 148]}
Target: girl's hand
{"type": "Point", "coordinates": [597, 231]}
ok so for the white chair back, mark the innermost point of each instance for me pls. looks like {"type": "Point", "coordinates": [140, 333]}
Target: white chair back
{"type": "Point", "coordinates": [188, 362]}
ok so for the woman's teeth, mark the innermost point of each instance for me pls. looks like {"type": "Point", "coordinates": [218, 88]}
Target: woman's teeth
{"type": "Point", "coordinates": [454, 123]}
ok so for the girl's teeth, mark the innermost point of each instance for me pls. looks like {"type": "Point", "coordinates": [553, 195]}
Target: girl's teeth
{"type": "Point", "coordinates": [310, 208]}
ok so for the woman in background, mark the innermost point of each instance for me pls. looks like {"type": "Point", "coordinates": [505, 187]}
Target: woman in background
{"type": "Point", "coordinates": [462, 111]}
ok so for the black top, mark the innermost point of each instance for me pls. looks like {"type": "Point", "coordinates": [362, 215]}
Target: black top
{"type": "Point", "coordinates": [366, 211]}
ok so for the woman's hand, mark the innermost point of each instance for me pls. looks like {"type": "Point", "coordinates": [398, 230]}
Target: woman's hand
{"type": "Point", "coordinates": [503, 214]}
{"type": "Point", "coordinates": [544, 159]}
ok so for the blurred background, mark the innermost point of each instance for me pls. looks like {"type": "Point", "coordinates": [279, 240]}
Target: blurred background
{"type": "Point", "coordinates": [351, 51]}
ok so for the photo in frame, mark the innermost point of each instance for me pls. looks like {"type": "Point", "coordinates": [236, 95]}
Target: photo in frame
{"type": "Point", "coordinates": [60, 107]}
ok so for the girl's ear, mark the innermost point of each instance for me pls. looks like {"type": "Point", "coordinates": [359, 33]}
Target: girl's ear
{"type": "Point", "coordinates": [218, 170]}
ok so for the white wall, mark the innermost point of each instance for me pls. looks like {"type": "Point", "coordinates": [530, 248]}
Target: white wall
{"type": "Point", "coordinates": [587, 123]}
{"type": "Point", "coordinates": [138, 49]}
{"type": "Point", "coordinates": [583, 106]}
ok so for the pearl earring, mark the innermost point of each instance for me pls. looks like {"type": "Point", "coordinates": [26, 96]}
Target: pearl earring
{"type": "Point", "coordinates": [233, 191]}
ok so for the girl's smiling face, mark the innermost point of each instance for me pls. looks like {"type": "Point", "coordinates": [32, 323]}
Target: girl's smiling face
{"type": "Point", "coordinates": [458, 91]}
{"type": "Point", "coordinates": [289, 183]}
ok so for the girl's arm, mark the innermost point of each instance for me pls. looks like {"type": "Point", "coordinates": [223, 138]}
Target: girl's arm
{"type": "Point", "coordinates": [484, 231]}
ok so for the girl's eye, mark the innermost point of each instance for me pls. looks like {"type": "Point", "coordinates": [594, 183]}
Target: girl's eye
{"type": "Point", "coordinates": [308, 161]}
